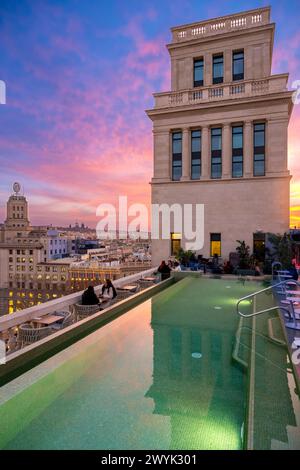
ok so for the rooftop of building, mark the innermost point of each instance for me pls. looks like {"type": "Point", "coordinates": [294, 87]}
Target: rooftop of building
{"type": "Point", "coordinates": [220, 25]}
{"type": "Point", "coordinates": [63, 261]}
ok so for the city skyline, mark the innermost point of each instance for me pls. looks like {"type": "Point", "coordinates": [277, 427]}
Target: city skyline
{"type": "Point", "coordinates": [74, 131]}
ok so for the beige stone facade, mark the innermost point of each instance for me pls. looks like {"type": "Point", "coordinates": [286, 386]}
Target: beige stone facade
{"type": "Point", "coordinates": [236, 205]}
{"type": "Point", "coordinates": [26, 278]}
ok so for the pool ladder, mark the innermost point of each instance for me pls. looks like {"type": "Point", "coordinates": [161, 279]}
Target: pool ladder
{"type": "Point", "coordinates": [275, 263]}
{"type": "Point", "coordinates": [253, 296]}
{"type": "Point", "coordinates": [252, 348]}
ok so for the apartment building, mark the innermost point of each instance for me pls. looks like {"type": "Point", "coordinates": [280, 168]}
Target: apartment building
{"type": "Point", "coordinates": [24, 253]}
{"type": "Point", "coordinates": [56, 244]}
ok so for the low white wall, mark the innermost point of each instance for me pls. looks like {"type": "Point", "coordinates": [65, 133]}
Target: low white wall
{"type": "Point", "coordinates": [62, 303]}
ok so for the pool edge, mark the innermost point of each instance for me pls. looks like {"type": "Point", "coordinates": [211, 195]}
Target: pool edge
{"type": "Point", "coordinates": [23, 360]}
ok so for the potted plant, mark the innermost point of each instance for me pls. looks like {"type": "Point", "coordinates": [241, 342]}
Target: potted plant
{"type": "Point", "coordinates": [243, 250]}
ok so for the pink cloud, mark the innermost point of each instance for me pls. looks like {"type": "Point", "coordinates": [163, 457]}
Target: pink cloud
{"type": "Point", "coordinates": [96, 141]}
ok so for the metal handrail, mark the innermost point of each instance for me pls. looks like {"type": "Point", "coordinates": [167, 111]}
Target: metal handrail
{"type": "Point", "coordinates": [259, 292]}
{"type": "Point", "coordinates": [274, 264]}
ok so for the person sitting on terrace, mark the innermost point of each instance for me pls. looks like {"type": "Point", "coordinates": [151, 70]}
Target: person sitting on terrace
{"type": "Point", "coordinates": [257, 270]}
{"type": "Point", "coordinates": [164, 270]}
{"type": "Point", "coordinates": [177, 266]}
{"type": "Point", "coordinates": [193, 258]}
{"type": "Point", "coordinates": [215, 260]}
{"type": "Point", "coordinates": [228, 268]}
{"type": "Point", "coordinates": [108, 291]}
{"type": "Point", "coordinates": [89, 297]}
{"type": "Point", "coordinates": [170, 264]}
{"type": "Point", "coordinates": [293, 272]}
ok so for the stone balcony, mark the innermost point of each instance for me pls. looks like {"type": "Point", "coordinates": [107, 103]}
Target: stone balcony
{"type": "Point", "coordinates": [230, 23]}
{"type": "Point", "coordinates": [227, 91]}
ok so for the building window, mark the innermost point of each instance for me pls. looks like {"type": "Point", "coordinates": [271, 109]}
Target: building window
{"type": "Point", "coordinates": [176, 156]}
{"type": "Point", "coordinates": [175, 243]}
{"type": "Point", "coordinates": [218, 69]}
{"type": "Point", "coordinates": [259, 246]}
{"type": "Point", "coordinates": [237, 151]}
{"type": "Point", "coordinates": [216, 152]}
{"type": "Point", "coordinates": [198, 72]}
{"type": "Point", "coordinates": [196, 154]}
{"type": "Point", "coordinates": [259, 150]}
{"type": "Point", "coordinates": [215, 244]}
{"type": "Point", "coordinates": [238, 65]}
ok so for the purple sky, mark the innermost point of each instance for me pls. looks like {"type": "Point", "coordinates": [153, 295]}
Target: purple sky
{"type": "Point", "coordinates": [79, 75]}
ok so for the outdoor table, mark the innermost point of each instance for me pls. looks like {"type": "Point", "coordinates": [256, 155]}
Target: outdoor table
{"type": "Point", "coordinates": [129, 288]}
{"type": "Point", "coordinates": [47, 319]}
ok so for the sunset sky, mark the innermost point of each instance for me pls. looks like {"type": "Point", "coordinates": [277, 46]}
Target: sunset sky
{"type": "Point", "coordinates": [79, 75]}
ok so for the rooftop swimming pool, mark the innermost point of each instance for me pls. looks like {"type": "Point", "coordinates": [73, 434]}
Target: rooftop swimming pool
{"type": "Point", "coordinates": [161, 376]}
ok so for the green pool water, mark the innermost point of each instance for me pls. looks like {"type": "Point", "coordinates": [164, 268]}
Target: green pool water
{"type": "Point", "coordinates": [161, 376]}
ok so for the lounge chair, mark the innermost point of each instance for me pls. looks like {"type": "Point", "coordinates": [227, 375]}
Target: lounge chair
{"type": "Point", "coordinates": [84, 311]}
{"type": "Point", "coordinates": [67, 320]}
{"type": "Point", "coordinates": [28, 334]}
